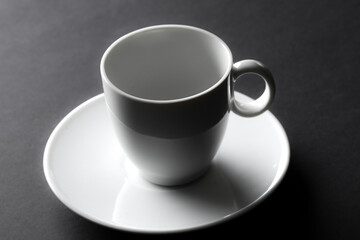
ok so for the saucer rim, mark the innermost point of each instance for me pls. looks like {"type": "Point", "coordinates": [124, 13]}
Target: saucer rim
{"type": "Point", "coordinates": [280, 174]}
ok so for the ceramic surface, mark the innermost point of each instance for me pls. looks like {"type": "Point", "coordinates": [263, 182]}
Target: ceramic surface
{"type": "Point", "coordinates": [169, 91]}
{"type": "Point", "coordinates": [87, 170]}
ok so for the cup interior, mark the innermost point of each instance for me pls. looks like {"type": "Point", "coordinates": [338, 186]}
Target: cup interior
{"type": "Point", "coordinates": [166, 62]}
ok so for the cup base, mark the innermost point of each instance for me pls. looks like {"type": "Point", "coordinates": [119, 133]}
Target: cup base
{"type": "Point", "coordinates": [172, 182]}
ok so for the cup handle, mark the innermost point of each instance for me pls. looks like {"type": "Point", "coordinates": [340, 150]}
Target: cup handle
{"type": "Point", "coordinates": [261, 104]}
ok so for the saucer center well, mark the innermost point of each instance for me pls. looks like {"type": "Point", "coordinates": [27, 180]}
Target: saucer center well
{"type": "Point", "coordinates": [151, 207]}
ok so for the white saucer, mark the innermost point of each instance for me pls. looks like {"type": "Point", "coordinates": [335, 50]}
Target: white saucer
{"type": "Point", "coordinates": [87, 171]}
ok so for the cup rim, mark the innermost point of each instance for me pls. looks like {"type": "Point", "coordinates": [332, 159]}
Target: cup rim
{"type": "Point", "coordinates": [162, 101]}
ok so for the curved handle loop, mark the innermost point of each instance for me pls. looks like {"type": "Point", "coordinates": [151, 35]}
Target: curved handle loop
{"type": "Point", "coordinates": [261, 104]}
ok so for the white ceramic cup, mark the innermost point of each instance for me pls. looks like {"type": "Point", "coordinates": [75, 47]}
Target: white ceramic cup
{"type": "Point", "coordinates": [169, 91]}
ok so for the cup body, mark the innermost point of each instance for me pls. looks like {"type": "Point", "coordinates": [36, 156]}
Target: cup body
{"type": "Point", "coordinates": [168, 93]}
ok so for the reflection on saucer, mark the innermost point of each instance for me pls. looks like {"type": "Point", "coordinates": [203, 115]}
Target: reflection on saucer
{"type": "Point", "coordinates": [210, 197]}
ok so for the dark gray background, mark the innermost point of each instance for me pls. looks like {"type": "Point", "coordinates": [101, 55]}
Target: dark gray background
{"type": "Point", "coordinates": [49, 64]}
